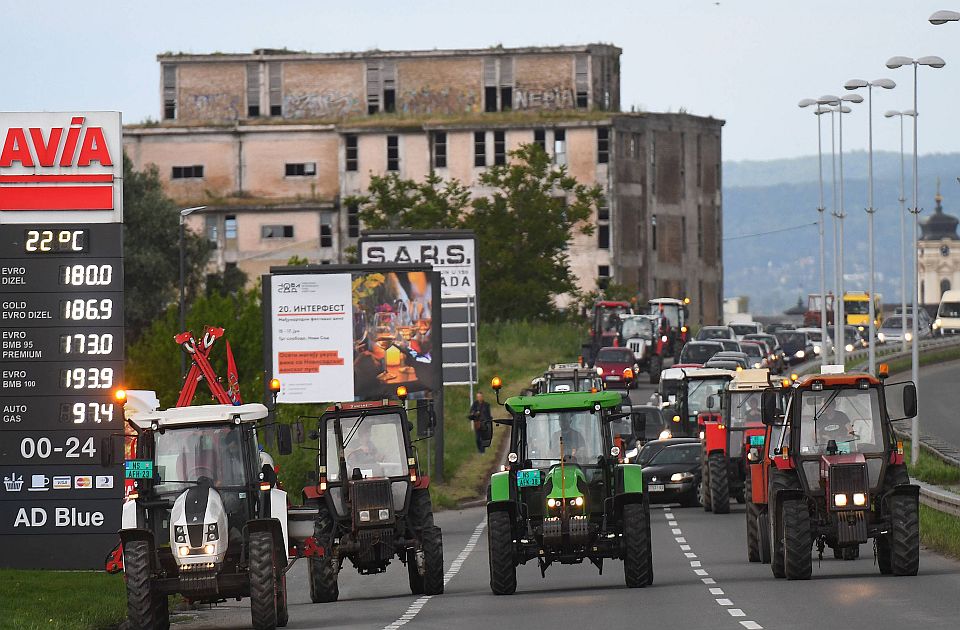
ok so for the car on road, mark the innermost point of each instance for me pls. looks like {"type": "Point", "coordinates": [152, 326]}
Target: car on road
{"type": "Point", "coordinates": [729, 345]}
{"type": "Point", "coordinates": [746, 328]}
{"type": "Point", "coordinates": [775, 356]}
{"type": "Point", "coordinates": [716, 332]}
{"type": "Point", "coordinates": [892, 330]}
{"type": "Point", "coordinates": [815, 335]}
{"type": "Point", "coordinates": [671, 470]}
{"type": "Point", "coordinates": [756, 353]}
{"type": "Point", "coordinates": [617, 367]}
{"type": "Point", "coordinates": [924, 322]}
{"type": "Point", "coordinates": [796, 345]}
{"type": "Point", "coordinates": [741, 359]}
{"type": "Point", "coordinates": [699, 351]}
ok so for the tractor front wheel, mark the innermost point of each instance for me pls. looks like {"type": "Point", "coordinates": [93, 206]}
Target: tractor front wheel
{"type": "Point", "coordinates": [503, 569]}
{"type": "Point", "coordinates": [904, 535]}
{"type": "Point", "coordinates": [763, 535]}
{"type": "Point", "coordinates": [323, 571]}
{"type": "Point", "coordinates": [432, 542]}
{"type": "Point", "coordinates": [798, 564]}
{"type": "Point", "coordinates": [705, 498]}
{"type": "Point", "coordinates": [636, 546]}
{"type": "Point", "coordinates": [263, 582]}
{"type": "Point", "coordinates": [753, 533]}
{"type": "Point", "coordinates": [719, 483]}
{"type": "Point", "coordinates": [145, 606]}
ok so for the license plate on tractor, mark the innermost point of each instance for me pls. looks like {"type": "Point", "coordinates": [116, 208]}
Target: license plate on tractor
{"type": "Point", "coordinates": [655, 487]}
{"type": "Point", "coordinates": [138, 469]}
{"type": "Point", "coordinates": [528, 478]}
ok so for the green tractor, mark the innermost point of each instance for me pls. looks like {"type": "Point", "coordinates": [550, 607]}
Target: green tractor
{"type": "Point", "coordinates": [566, 494]}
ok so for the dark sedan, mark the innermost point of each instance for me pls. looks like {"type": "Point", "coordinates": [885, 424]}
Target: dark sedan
{"type": "Point", "coordinates": [671, 470]}
{"type": "Point", "coordinates": [699, 351]}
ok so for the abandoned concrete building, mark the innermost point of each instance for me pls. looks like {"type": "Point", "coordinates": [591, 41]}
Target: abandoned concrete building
{"type": "Point", "coordinates": [271, 142]}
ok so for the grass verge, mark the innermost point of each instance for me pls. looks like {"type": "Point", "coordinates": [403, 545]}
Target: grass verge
{"type": "Point", "coordinates": [61, 600]}
{"type": "Point", "coordinates": [940, 531]}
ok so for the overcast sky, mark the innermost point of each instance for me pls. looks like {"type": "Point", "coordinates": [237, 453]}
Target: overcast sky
{"type": "Point", "coordinates": [746, 61]}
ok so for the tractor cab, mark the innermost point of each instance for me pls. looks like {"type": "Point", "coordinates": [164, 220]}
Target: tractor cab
{"type": "Point", "coordinates": [565, 494]}
{"type": "Point", "coordinates": [641, 334]}
{"type": "Point", "coordinates": [369, 499]}
{"type": "Point", "coordinates": [697, 393]}
{"type": "Point", "coordinates": [567, 377]}
{"type": "Point", "coordinates": [672, 315]}
{"type": "Point", "coordinates": [604, 327]}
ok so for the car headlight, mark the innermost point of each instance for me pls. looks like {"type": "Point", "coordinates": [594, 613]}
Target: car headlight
{"type": "Point", "coordinates": [909, 336]}
{"type": "Point", "coordinates": [599, 371]}
{"type": "Point", "coordinates": [936, 323]}
{"type": "Point", "coordinates": [848, 347]}
{"type": "Point", "coordinates": [663, 339]}
{"type": "Point", "coordinates": [882, 337]}
{"type": "Point", "coordinates": [840, 500]}
{"type": "Point", "coordinates": [816, 349]}
{"type": "Point", "coordinates": [756, 365]}
{"type": "Point", "coordinates": [800, 354]}
{"type": "Point", "coordinates": [665, 434]}
{"type": "Point", "coordinates": [681, 476]}
{"type": "Point", "coordinates": [859, 499]}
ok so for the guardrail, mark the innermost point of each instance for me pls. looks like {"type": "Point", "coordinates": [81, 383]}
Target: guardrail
{"type": "Point", "coordinates": [887, 352]}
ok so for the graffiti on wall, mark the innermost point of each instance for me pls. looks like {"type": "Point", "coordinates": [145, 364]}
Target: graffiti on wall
{"type": "Point", "coordinates": [543, 98]}
{"type": "Point", "coordinates": [427, 100]}
{"type": "Point", "coordinates": [326, 104]}
{"type": "Point", "coordinates": [210, 107]}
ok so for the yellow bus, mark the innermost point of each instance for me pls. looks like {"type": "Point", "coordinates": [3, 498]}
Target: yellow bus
{"type": "Point", "coordinates": [856, 309]}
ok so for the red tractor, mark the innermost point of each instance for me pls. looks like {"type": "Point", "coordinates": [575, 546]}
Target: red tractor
{"type": "Point", "coordinates": [726, 438]}
{"type": "Point", "coordinates": [831, 473]}
{"type": "Point", "coordinates": [811, 317]}
{"type": "Point", "coordinates": [604, 327]}
{"type": "Point", "coordinates": [673, 316]}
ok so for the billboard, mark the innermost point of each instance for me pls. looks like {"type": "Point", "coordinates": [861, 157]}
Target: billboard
{"type": "Point", "coordinates": [452, 253]}
{"type": "Point", "coordinates": [343, 333]}
{"type": "Point", "coordinates": [61, 325]}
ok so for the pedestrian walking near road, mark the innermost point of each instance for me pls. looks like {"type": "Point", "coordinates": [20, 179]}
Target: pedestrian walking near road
{"type": "Point", "coordinates": [480, 417]}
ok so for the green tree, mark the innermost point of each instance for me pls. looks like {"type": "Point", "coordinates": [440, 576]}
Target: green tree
{"type": "Point", "coordinates": [151, 250]}
{"type": "Point", "coordinates": [396, 203]}
{"type": "Point", "coordinates": [523, 230]}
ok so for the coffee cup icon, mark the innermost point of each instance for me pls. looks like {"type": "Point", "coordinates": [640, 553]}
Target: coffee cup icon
{"type": "Point", "coordinates": [39, 483]}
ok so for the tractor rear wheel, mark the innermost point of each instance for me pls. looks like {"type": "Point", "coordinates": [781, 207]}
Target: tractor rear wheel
{"type": "Point", "coordinates": [753, 533]}
{"type": "Point", "coordinates": [145, 606]}
{"type": "Point", "coordinates": [413, 572]}
{"type": "Point", "coordinates": [719, 483]}
{"type": "Point", "coordinates": [763, 535]}
{"type": "Point", "coordinates": [283, 614]}
{"type": "Point", "coordinates": [904, 535]}
{"type": "Point", "coordinates": [420, 514]}
{"type": "Point", "coordinates": [503, 569]}
{"type": "Point", "coordinates": [432, 542]}
{"type": "Point", "coordinates": [636, 543]}
{"type": "Point", "coordinates": [323, 572]}
{"type": "Point", "coordinates": [656, 366]}
{"type": "Point", "coordinates": [263, 581]}
{"type": "Point", "coordinates": [798, 564]}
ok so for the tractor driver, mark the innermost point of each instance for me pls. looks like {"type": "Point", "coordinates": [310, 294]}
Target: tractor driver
{"type": "Point", "coordinates": [835, 425]}
{"type": "Point", "coordinates": [572, 439]}
{"type": "Point", "coordinates": [362, 454]}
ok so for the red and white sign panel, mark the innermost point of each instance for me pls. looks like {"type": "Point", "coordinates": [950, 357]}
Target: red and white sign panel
{"type": "Point", "coordinates": [68, 162]}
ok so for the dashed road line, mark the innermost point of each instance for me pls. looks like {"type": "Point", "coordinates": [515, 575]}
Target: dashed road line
{"type": "Point", "coordinates": [414, 609]}
{"type": "Point", "coordinates": [697, 567]}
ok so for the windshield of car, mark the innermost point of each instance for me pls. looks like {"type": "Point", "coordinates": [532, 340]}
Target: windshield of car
{"type": "Point", "coordinates": [850, 417]}
{"type": "Point", "coordinates": [895, 323]}
{"type": "Point", "coordinates": [637, 327]}
{"type": "Point", "coordinates": [580, 430]}
{"type": "Point", "coordinates": [751, 350]}
{"type": "Point", "coordinates": [743, 329]}
{"type": "Point", "coordinates": [186, 454]}
{"type": "Point", "coordinates": [744, 408]}
{"type": "Point", "coordinates": [374, 445]}
{"type": "Point", "coordinates": [814, 335]}
{"type": "Point", "coordinates": [792, 341]}
{"type": "Point", "coordinates": [615, 355]}
{"type": "Point", "coordinates": [856, 307]}
{"type": "Point", "coordinates": [851, 335]}
{"type": "Point", "coordinates": [699, 352]}
{"type": "Point", "coordinates": [729, 344]}
{"type": "Point", "coordinates": [709, 332]}
{"type": "Point", "coordinates": [670, 311]}
{"type": "Point", "coordinates": [697, 392]}
{"type": "Point", "coordinates": [657, 454]}
{"type": "Point", "coordinates": [949, 309]}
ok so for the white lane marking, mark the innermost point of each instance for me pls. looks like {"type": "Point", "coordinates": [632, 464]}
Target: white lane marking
{"type": "Point", "coordinates": [676, 532]}
{"type": "Point", "coordinates": [708, 581]}
{"type": "Point", "coordinates": [668, 516]}
{"type": "Point", "coordinates": [724, 602]}
{"type": "Point", "coordinates": [736, 612]}
{"type": "Point", "coordinates": [695, 563]}
{"type": "Point", "coordinates": [414, 609]}
{"type": "Point", "coordinates": [690, 554]}
{"type": "Point", "coordinates": [684, 547]}
{"type": "Point", "coordinates": [716, 591]}
{"type": "Point", "coordinates": [751, 625]}
{"type": "Point", "coordinates": [681, 539]}
{"type": "Point", "coordinates": [700, 572]}
{"type": "Point", "coordinates": [672, 523]}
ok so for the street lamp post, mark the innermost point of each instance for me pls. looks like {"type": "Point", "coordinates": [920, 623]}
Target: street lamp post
{"type": "Point", "coordinates": [886, 84]}
{"type": "Point", "coordinates": [839, 316]}
{"type": "Point", "coordinates": [183, 215]}
{"type": "Point", "coordinates": [892, 63]}
{"type": "Point", "coordinates": [903, 212]}
{"type": "Point", "coordinates": [820, 210]}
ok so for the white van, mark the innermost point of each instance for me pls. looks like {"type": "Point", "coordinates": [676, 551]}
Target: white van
{"type": "Point", "coordinates": [948, 315]}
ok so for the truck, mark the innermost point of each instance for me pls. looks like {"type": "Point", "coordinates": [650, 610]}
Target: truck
{"type": "Point", "coordinates": [856, 309]}
{"type": "Point", "coordinates": [566, 494]}
{"type": "Point", "coordinates": [833, 473]}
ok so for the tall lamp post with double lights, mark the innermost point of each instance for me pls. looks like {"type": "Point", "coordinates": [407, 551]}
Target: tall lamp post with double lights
{"type": "Point", "coordinates": [903, 213]}
{"type": "Point", "coordinates": [183, 215]}
{"type": "Point", "coordinates": [839, 315]}
{"type": "Point", "coordinates": [819, 111]}
{"type": "Point", "coordinates": [854, 84]}
{"type": "Point", "coordinates": [893, 63]}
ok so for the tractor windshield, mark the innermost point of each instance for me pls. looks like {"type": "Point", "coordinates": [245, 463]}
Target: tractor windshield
{"type": "Point", "coordinates": [580, 430]}
{"type": "Point", "coordinates": [698, 390]}
{"type": "Point", "coordinates": [567, 384]}
{"type": "Point", "coordinates": [744, 409]}
{"type": "Point", "coordinates": [670, 311]}
{"type": "Point", "coordinates": [373, 445]}
{"type": "Point", "coordinates": [183, 455]}
{"type": "Point", "coordinates": [637, 327]}
{"type": "Point", "coordinates": [849, 417]}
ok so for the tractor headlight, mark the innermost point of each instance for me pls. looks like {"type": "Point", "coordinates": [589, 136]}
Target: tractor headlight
{"type": "Point", "coordinates": [578, 502]}
{"type": "Point", "coordinates": [383, 514]}
{"type": "Point", "coordinates": [840, 500]}
{"type": "Point", "coordinates": [859, 499]}
{"type": "Point", "coordinates": [209, 549]}
{"type": "Point", "coordinates": [183, 550]}
{"type": "Point", "coordinates": [551, 503]}
{"type": "Point", "coordinates": [364, 516]}
{"type": "Point", "coordinates": [665, 434]}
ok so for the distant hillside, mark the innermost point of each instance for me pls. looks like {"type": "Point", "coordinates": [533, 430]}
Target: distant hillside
{"type": "Point", "coordinates": [775, 267]}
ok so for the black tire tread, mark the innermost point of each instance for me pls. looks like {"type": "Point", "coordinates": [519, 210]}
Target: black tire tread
{"type": "Point", "coordinates": [263, 581]}
{"type": "Point", "coordinates": [778, 481]}
{"type": "Point", "coordinates": [904, 535]}
{"type": "Point", "coordinates": [503, 569]}
{"type": "Point", "coordinates": [798, 563]}
{"type": "Point", "coordinates": [636, 542]}
{"type": "Point", "coordinates": [323, 575]}
{"type": "Point", "coordinates": [142, 602]}
{"type": "Point", "coordinates": [719, 484]}
{"type": "Point", "coordinates": [753, 533]}
{"type": "Point", "coordinates": [432, 561]}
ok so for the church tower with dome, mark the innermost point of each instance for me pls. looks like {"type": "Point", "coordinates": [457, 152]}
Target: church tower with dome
{"type": "Point", "coordinates": [938, 265]}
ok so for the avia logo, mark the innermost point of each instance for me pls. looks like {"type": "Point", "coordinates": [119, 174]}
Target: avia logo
{"type": "Point", "coordinates": [48, 152]}
{"type": "Point", "coordinates": [74, 151]}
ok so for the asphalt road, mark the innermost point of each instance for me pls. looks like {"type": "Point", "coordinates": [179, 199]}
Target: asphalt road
{"type": "Point", "coordinates": [702, 580]}
{"type": "Point", "coordinates": [940, 401]}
